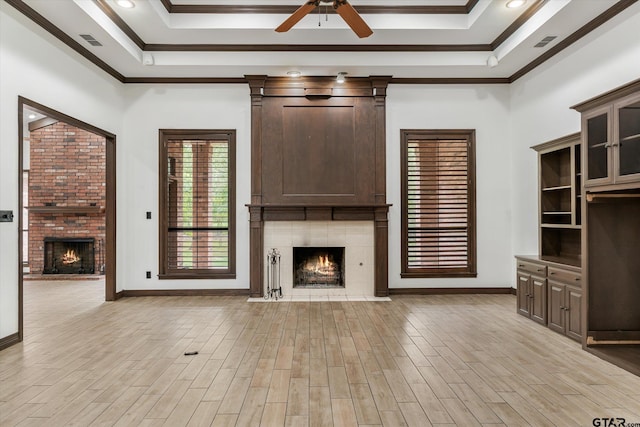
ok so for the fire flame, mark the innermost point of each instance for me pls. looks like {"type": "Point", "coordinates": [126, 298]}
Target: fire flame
{"type": "Point", "coordinates": [323, 261]}
{"type": "Point", "coordinates": [70, 257]}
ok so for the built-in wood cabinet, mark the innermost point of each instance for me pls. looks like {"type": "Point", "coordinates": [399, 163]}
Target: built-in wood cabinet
{"type": "Point", "coordinates": [549, 284]}
{"type": "Point", "coordinates": [532, 292]}
{"type": "Point", "coordinates": [560, 215]}
{"type": "Point", "coordinates": [550, 293]}
{"type": "Point", "coordinates": [612, 144]}
{"type": "Point", "coordinates": [611, 225]}
{"type": "Point", "coordinates": [564, 298]}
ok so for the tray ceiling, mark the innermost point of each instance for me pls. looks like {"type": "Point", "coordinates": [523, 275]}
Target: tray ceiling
{"type": "Point", "coordinates": [412, 39]}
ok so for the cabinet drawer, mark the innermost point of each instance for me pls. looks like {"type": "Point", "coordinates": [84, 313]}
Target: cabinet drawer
{"type": "Point", "coordinates": [569, 277]}
{"type": "Point", "coordinates": [533, 268]}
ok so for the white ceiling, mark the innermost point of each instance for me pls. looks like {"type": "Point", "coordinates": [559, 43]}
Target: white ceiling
{"type": "Point", "coordinates": [196, 44]}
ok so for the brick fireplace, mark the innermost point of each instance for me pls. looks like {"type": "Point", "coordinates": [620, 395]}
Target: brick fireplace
{"type": "Point", "coordinates": [67, 195]}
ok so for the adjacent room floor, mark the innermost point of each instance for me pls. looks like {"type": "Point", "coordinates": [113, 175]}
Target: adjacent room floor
{"type": "Point", "coordinates": [457, 360]}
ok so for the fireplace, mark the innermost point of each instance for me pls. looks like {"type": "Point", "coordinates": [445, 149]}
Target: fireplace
{"type": "Point", "coordinates": [318, 267]}
{"type": "Point", "coordinates": [69, 255]}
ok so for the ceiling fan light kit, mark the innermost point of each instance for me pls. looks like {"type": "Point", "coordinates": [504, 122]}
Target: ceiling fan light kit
{"type": "Point", "coordinates": [342, 8]}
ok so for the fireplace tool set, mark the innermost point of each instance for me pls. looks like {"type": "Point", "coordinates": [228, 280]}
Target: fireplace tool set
{"type": "Point", "coordinates": [274, 290]}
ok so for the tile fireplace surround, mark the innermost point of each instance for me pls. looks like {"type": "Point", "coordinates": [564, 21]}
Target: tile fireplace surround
{"type": "Point", "coordinates": [357, 237]}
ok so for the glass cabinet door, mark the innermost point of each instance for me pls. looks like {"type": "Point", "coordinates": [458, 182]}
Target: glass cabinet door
{"type": "Point", "coordinates": [629, 139]}
{"type": "Point", "coordinates": [597, 146]}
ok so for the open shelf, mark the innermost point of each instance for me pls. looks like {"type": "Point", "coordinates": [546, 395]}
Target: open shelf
{"type": "Point", "coordinates": [560, 213]}
{"type": "Point", "coordinates": [561, 244]}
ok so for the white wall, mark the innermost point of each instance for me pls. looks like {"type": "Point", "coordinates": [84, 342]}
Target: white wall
{"type": "Point", "coordinates": [540, 108]}
{"type": "Point", "coordinates": [35, 65]}
{"type": "Point", "coordinates": [153, 107]}
{"type": "Point", "coordinates": [484, 108]}
{"type": "Point", "coordinates": [508, 120]}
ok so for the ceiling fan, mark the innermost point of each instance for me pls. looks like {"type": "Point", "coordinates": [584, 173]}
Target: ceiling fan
{"type": "Point", "coordinates": [342, 7]}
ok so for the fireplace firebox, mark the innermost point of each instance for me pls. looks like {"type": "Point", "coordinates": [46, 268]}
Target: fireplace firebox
{"type": "Point", "coordinates": [318, 267]}
{"type": "Point", "coordinates": [69, 255]}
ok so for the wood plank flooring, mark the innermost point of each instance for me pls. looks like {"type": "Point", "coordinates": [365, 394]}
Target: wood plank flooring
{"type": "Point", "coordinates": [466, 360]}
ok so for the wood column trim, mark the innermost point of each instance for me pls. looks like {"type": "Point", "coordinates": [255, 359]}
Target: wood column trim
{"type": "Point", "coordinates": [256, 245]}
{"type": "Point", "coordinates": [256, 224]}
{"type": "Point", "coordinates": [380, 84]}
{"type": "Point", "coordinates": [256, 87]}
{"type": "Point", "coordinates": [381, 252]}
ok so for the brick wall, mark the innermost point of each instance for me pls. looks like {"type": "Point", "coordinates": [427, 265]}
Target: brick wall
{"type": "Point", "coordinates": [67, 168]}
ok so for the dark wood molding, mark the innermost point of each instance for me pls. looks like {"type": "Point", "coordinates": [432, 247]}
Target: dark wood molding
{"type": "Point", "coordinates": [185, 80]}
{"type": "Point", "coordinates": [10, 340]}
{"type": "Point", "coordinates": [609, 96]}
{"type": "Point", "coordinates": [470, 270]}
{"type": "Point", "coordinates": [393, 80]}
{"type": "Point", "coordinates": [183, 292]}
{"type": "Point", "coordinates": [52, 29]}
{"type": "Point", "coordinates": [40, 20]}
{"type": "Point", "coordinates": [317, 212]}
{"type": "Point", "coordinates": [266, 9]}
{"type": "Point", "coordinates": [110, 196]}
{"type": "Point", "coordinates": [43, 122]}
{"type": "Point", "coordinates": [574, 37]}
{"type": "Point", "coordinates": [449, 291]}
{"type": "Point", "coordinates": [118, 295]}
{"type": "Point", "coordinates": [61, 117]}
{"type": "Point", "coordinates": [166, 271]}
{"type": "Point", "coordinates": [448, 80]}
{"type": "Point", "coordinates": [515, 25]}
{"type": "Point", "coordinates": [317, 48]}
{"type": "Point", "coordinates": [557, 141]}
{"type": "Point", "coordinates": [285, 9]}
{"type": "Point", "coordinates": [115, 18]}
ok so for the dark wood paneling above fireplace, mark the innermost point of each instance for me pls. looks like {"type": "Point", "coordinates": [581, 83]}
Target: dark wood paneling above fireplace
{"type": "Point", "coordinates": [318, 153]}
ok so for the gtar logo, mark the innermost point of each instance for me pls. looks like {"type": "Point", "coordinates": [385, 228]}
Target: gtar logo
{"type": "Point", "coordinates": [608, 422]}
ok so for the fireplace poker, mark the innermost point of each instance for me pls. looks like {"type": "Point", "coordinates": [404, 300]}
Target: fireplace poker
{"type": "Point", "coordinates": [274, 290]}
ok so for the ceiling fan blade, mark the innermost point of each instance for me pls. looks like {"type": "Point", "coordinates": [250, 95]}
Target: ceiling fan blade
{"type": "Point", "coordinates": [296, 16]}
{"type": "Point", "coordinates": [352, 18]}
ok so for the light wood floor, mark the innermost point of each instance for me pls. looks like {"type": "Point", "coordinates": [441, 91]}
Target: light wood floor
{"type": "Point", "coordinates": [416, 361]}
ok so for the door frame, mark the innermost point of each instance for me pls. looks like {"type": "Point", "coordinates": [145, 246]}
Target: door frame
{"type": "Point", "coordinates": [110, 199]}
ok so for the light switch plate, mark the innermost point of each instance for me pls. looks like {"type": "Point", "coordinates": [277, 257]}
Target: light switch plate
{"type": "Point", "coordinates": [6, 216]}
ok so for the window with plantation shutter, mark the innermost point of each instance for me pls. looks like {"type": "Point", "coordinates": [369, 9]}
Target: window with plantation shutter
{"type": "Point", "coordinates": [438, 203]}
{"type": "Point", "coordinates": [197, 199]}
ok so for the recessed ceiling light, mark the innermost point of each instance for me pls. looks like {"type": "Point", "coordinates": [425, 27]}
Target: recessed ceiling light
{"type": "Point", "coordinates": [128, 4]}
{"type": "Point", "coordinates": [294, 74]}
{"type": "Point", "coordinates": [341, 77]}
{"type": "Point", "coordinates": [512, 4]}
{"type": "Point", "coordinates": [32, 116]}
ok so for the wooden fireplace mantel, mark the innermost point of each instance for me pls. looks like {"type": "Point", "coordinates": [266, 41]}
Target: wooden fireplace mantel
{"type": "Point", "coordinates": [318, 153]}
{"type": "Point", "coordinates": [319, 213]}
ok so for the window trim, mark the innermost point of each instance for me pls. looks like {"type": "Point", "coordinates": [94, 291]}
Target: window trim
{"type": "Point", "coordinates": [163, 215]}
{"type": "Point", "coordinates": [471, 271]}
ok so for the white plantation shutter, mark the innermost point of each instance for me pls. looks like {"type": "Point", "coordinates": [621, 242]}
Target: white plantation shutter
{"type": "Point", "coordinates": [438, 204]}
